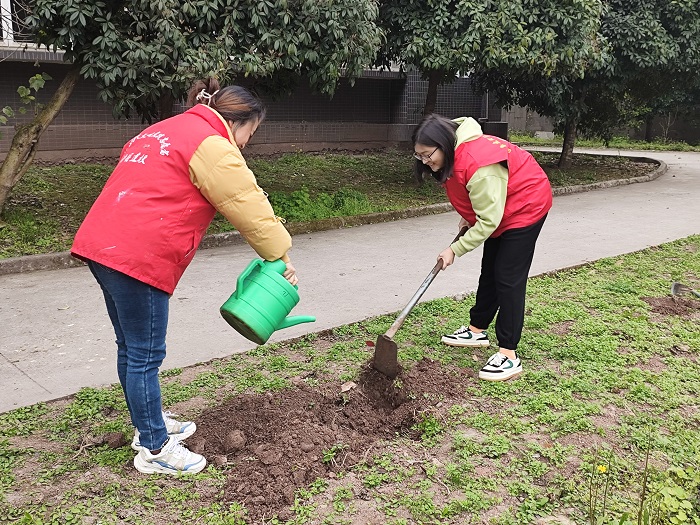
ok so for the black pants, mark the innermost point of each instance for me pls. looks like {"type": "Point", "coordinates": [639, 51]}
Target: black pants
{"type": "Point", "coordinates": [503, 281]}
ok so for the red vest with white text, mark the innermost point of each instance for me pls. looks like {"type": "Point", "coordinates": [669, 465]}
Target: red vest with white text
{"type": "Point", "coordinates": [149, 219]}
{"type": "Point", "coordinates": [529, 195]}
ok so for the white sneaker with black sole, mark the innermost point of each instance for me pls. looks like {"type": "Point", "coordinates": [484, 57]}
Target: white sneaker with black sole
{"type": "Point", "coordinates": [180, 429]}
{"type": "Point", "coordinates": [500, 367]}
{"type": "Point", "coordinates": [465, 337]}
{"type": "Point", "coordinates": [173, 458]}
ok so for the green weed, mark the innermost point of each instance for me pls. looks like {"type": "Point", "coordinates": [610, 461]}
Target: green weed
{"type": "Point", "coordinates": [22, 421]}
{"type": "Point", "coordinates": [430, 429]}
{"type": "Point", "coordinates": [91, 404]}
{"type": "Point", "coordinates": [330, 455]}
{"type": "Point", "coordinates": [341, 497]}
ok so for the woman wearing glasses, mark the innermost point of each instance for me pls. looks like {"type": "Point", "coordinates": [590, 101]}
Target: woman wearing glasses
{"type": "Point", "coordinates": [503, 195]}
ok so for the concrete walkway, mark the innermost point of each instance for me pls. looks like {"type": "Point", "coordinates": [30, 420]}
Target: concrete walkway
{"type": "Point", "coordinates": [55, 336]}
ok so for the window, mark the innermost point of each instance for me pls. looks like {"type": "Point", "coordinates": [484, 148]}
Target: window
{"type": "Point", "coordinates": [12, 27]}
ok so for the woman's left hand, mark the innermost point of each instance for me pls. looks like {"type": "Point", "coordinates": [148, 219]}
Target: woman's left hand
{"type": "Point", "coordinates": [291, 274]}
{"type": "Point", "coordinates": [447, 257]}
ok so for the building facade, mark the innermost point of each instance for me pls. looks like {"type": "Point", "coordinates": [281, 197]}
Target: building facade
{"type": "Point", "coordinates": [380, 109]}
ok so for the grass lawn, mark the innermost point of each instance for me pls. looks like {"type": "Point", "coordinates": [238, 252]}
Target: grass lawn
{"type": "Point", "coordinates": [49, 203]}
{"type": "Point", "coordinates": [603, 426]}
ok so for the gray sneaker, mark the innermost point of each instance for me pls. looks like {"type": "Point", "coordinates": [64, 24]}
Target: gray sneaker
{"type": "Point", "coordinates": [500, 367]}
{"type": "Point", "coordinates": [173, 458]}
{"type": "Point", "coordinates": [180, 429]}
{"type": "Point", "coordinates": [465, 337]}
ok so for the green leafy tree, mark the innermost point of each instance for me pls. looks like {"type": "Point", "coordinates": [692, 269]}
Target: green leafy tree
{"type": "Point", "coordinates": [26, 135]}
{"type": "Point", "coordinates": [26, 98]}
{"type": "Point", "coordinates": [526, 39]}
{"type": "Point", "coordinates": [636, 51]}
{"type": "Point", "coordinates": [535, 53]}
{"type": "Point", "coordinates": [655, 48]}
{"type": "Point", "coordinates": [144, 54]}
{"type": "Point", "coordinates": [429, 37]}
{"type": "Point", "coordinates": [671, 98]}
{"type": "Point", "coordinates": [660, 56]}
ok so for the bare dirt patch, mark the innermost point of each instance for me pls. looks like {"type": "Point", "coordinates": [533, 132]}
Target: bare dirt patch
{"type": "Point", "coordinates": [561, 328]}
{"type": "Point", "coordinates": [673, 305]}
{"type": "Point", "coordinates": [274, 443]}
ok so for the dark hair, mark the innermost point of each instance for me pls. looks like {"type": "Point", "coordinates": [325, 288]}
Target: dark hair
{"type": "Point", "coordinates": [436, 131]}
{"type": "Point", "coordinates": [234, 103]}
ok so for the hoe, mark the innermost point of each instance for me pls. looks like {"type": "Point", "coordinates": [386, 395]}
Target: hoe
{"type": "Point", "coordinates": [386, 350]}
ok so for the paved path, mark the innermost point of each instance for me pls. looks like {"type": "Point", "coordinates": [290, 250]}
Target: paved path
{"type": "Point", "coordinates": [55, 336]}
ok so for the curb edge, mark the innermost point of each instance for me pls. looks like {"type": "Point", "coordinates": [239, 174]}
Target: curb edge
{"type": "Point", "coordinates": [60, 260]}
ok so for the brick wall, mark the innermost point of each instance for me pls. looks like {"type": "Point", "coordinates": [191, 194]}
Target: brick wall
{"type": "Point", "coordinates": [380, 109]}
{"type": "Point", "coordinates": [84, 123]}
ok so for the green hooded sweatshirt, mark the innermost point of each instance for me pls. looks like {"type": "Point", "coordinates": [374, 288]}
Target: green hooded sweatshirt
{"type": "Point", "coordinates": [487, 192]}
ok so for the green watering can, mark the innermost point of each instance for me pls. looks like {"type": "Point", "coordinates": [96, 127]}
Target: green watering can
{"type": "Point", "coordinates": [261, 302]}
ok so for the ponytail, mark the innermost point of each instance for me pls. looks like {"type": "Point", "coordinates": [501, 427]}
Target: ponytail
{"type": "Point", "coordinates": [234, 103]}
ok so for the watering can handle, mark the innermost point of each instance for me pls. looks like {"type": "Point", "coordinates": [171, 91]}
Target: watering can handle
{"type": "Point", "coordinates": [242, 277]}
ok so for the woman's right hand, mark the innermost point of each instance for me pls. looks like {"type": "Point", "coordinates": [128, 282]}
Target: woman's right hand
{"type": "Point", "coordinates": [462, 223]}
{"type": "Point", "coordinates": [291, 274]}
{"type": "Point", "coordinates": [447, 257]}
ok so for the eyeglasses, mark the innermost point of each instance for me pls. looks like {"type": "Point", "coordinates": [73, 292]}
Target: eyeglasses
{"type": "Point", "coordinates": [424, 158]}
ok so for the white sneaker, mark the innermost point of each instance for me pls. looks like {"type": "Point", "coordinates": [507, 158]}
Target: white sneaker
{"type": "Point", "coordinates": [500, 367]}
{"type": "Point", "coordinates": [173, 458]}
{"type": "Point", "coordinates": [465, 337]}
{"type": "Point", "coordinates": [180, 429]}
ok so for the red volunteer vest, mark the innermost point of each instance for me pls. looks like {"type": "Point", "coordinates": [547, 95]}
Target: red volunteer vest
{"type": "Point", "coordinates": [529, 194]}
{"type": "Point", "coordinates": [149, 218]}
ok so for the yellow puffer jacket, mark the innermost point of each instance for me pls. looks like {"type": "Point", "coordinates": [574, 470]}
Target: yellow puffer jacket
{"type": "Point", "coordinates": [221, 174]}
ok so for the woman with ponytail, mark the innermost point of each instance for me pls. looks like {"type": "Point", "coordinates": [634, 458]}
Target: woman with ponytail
{"type": "Point", "coordinates": [144, 229]}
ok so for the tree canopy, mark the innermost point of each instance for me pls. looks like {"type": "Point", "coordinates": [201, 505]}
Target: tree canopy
{"type": "Point", "coordinates": [590, 65]}
{"type": "Point", "coordinates": [145, 54]}
{"type": "Point", "coordinates": [432, 37]}
{"type": "Point", "coordinates": [523, 39]}
{"type": "Point", "coordinates": [625, 53]}
{"type": "Point", "coordinates": [657, 46]}
{"type": "Point", "coordinates": [139, 50]}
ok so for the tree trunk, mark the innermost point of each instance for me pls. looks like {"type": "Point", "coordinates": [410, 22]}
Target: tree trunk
{"type": "Point", "coordinates": [567, 151]}
{"type": "Point", "coordinates": [648, 131]}
{"type": "Point", "coordinates": [26, 138]}
{"type": "Point", "coordinates": [434, 79]}
{"type": "Point", "coordinates": [165, 106]}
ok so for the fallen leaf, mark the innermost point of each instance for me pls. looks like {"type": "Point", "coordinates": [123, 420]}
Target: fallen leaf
{"type": "Point", "coordinates": [347, 386]}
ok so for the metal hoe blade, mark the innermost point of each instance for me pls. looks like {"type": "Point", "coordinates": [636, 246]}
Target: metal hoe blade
{"type": "Point", "coordinates": [386, 358]}
{"type": "Point", "coordinates": [679, 289]}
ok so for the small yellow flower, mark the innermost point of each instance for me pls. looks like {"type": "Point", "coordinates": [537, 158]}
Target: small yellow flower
{"type": "Point", "coordinates": [602, 469]}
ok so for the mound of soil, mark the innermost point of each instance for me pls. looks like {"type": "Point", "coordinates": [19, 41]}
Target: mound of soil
{"type": "Point", "coordinates": [274, 443]}
{"type": "Point", "coordinates": [673, 305]}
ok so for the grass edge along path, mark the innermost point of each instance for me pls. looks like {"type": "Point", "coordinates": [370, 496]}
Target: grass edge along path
{"type": "Point", "coordinates": [348, 203]}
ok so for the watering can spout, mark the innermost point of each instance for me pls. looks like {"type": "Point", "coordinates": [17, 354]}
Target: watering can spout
{"type": "Point", "coordinates": [295, 320]}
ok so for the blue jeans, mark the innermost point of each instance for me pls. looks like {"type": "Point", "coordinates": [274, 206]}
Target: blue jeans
{"type": "Point", "coordinates": [139, 314]}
